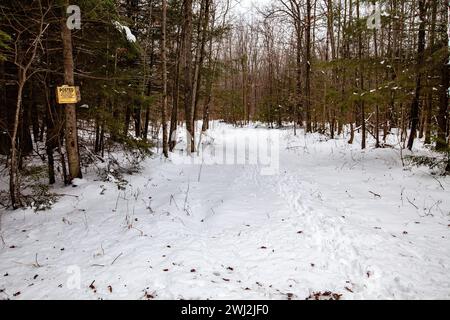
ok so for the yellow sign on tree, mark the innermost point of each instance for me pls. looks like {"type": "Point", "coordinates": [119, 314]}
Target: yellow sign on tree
{"type": "Point", "coordinates": [68, 94]}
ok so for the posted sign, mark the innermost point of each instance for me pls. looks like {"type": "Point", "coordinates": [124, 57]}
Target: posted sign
{"type": "Point", "coordinates": [68, 94]}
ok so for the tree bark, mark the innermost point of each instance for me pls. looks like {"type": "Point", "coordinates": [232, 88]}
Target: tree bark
{"type": "Point", "coordinates": [308, 66]}
{"type": "Point", "coordinates": [71, 135]}
{"type": "Point", "coordinates": [200, 56]}
{"type": "Point", "coordinates": [429, 111]}
{"type": "Point", "coordinates": [188, 87]}
{"type": "Point", "coordinates": [175, 102]}
{"type": "Point", "coordinates": [414, 113]}
{"type": "Point", "coordinates": [361, 82]}
{"type": "Point", "coordinates": [13, 175]}
{"type": "Point", "coordinates": [164, 77]}
{"type": "Point", "coordinates": [441, 141]}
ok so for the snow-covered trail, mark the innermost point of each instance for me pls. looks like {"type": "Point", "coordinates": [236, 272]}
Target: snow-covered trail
{"type": "Point", "coordinates": [333, 219]}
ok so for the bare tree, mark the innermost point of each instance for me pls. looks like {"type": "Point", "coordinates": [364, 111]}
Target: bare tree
{"type": "Point", "coordinates": [25, 51]}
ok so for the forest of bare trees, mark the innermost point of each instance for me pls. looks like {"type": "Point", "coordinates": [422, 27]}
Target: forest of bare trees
{"type": "Point", "coordinates": [369, 68]}
{"type": "Point", "coordinates": [224, 149]}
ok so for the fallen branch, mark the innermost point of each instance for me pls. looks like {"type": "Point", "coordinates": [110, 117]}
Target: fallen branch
{"type": "Point", "coordinates": [375, 194]}
{"type": "Point", "coordinates": [116, 258]}
{"type": "Point", "coordinates": [65, 195]}
{"type": "Point", "coordinates": [173, 198]}
{"type": "Point", "coordinates": [412, 203]}
{"type": "Point", "coordinates": [438, 181]}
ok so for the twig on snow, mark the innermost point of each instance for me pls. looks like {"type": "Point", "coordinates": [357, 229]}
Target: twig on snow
{"type": "Point", "coordinates": [186, 199]}
{"type": "Point", "coordinates": [200, 171]}
{"type": "Point", "coordinates": [436, 204]}
{"type": "Point", "coordinates": [65, 195]}
{"type": "Point", "coordinates": [173, 198]}
{"type": "Point", "coordinates": [438, 181]}
{"type": "Point", "coordinates": [140, 231]}
{"type": "Point", "coordinates": [116, 258]}
{"type": "Point", "coordinates": [36, 263]}
{"type": "Point", "coordinates": [375, 194]}
{"type": "Point", "coordinates": [412, 203]}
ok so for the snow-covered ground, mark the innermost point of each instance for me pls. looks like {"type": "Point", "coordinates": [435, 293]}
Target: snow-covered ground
{"type": "Point", "coordinates": [334, 218]}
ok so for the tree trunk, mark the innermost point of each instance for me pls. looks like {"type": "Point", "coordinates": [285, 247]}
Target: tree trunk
{"type": "Point", "coordinates": [209, 80]}
{"type": "Point", "coordinates": [13, 174]}
{"type": "Point", "coordinates": [308, 66]}
{"type": "Point", "coordinates": [164, 77]}
{"type": "Point", "coordinates": [71, 134]}
{"type": "Point", "coordinates": [420, 57]}
{"type": "Point", "coordinates": [188, 87]}
{"type": "Point", "coordinates": [200, 56]}
{"type": "Point", "coordinates": [149, 92]}
{"type": "Point", "coordinates": [137, 120]}
{"type": "Point", "coordinates": [429, 104]}
{"type": "Point", "coordinates": [35, 121]}
{"type": "Point", "coordinates": [441, 143]}
{"type": "Point", "coordinates": [361, 83]}
{"type": "Point", "coordinates": [50, 143]}
{"type": "Point", "coordinates": [377, 108]}
{"type": "Point", "coordinates": [298, 105]}
{"type": "Point", "coordinates": [175, 102]}
{"type": "Point", "coordinates": [127, 120]}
